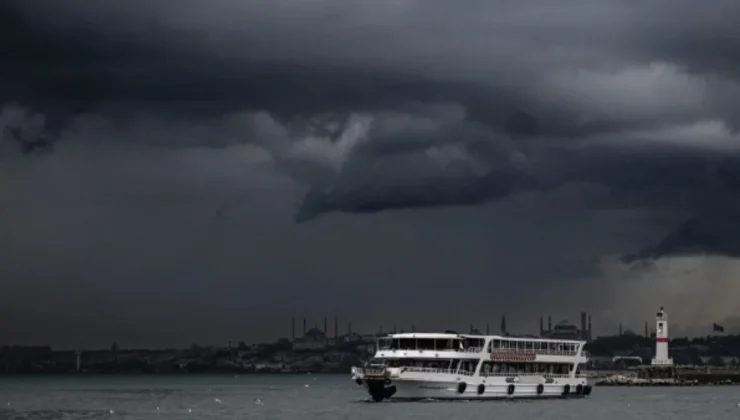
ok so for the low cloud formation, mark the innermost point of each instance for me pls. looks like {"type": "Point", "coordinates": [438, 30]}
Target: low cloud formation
{"type": "Point", "coordinates": [340, 116]}
{"type": "Point", "coordinates": [27, 132]}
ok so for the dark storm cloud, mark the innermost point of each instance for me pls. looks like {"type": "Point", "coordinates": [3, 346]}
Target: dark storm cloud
{"type": "Point", "coordinates": [177, 122]}
{"type": "Point", "coordinates": [264, 55]}
{"type": "Point", "coordinates": [695, 236]}
{"type": "Point", "coordinates": [576, 70]}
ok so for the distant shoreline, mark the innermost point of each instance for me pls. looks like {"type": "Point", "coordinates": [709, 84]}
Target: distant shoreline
{"type": "Point", "coordinates": [3, 374]}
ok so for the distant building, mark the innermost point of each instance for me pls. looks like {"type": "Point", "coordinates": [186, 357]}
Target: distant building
{"type": "Point", "coordinates": [350, 338]}
{"type": "Point", "coordinates": [313, 340]}
{"type": "Point", "coordinates": [26, 351]}
{"type": "Point", "coordinates": [567, 331]}
{"type": "Point", "coordinates": [563, 331]}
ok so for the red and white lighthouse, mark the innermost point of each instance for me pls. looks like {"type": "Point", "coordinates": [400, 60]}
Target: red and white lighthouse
{"type": "Point", "coordinates": [661, 340]}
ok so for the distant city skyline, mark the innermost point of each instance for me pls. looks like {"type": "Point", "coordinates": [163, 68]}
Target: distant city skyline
{"type": "Point", "coordinates": [363, 328]}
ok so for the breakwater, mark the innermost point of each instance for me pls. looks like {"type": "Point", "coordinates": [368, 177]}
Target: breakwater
{"type": "Point", "coordinates": [679, 377]}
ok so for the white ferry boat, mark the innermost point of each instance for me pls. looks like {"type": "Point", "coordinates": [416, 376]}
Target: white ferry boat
{"type": "Point", "coordinates": [417, 366]}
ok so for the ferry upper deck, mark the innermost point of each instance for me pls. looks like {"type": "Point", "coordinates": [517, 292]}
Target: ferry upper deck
{"type": "Point", "coordinates": [419, 343]}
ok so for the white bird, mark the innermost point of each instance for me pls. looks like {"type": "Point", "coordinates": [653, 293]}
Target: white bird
{"type": "Point", "coordinates": [190, 410]}
{"type": "Point", "coordinates": [217, 400]}
{"type": "Point", "coordinates": [258, 401]}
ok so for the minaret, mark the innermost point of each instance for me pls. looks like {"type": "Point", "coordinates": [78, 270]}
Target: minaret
{"type": "Point", "coordinates": [542, 326]}
{"type": "Point", "coordinates": [661, 340]}
{"type": "Point", "coordinates": [583, 326]}
{"type": "Point", "coordinates": [503, 325]}
{"type": "Point", "coordinates": [549, 323]}
{"type": "Point", "coordinates": [590, 332]}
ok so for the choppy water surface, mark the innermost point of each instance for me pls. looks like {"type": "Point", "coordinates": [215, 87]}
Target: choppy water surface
{"type": "Point", "coordinates": [304, 397]}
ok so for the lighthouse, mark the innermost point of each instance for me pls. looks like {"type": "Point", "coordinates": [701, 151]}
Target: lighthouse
{"type": "Point", "coordinates": [661, 340]}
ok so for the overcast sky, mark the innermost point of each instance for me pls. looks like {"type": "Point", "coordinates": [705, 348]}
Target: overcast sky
{"type": "Point", "coordinates": [182, 171]}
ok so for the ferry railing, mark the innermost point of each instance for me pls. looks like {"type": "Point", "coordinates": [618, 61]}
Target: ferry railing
{"type": "Point", "coordinates": [544, 352]}
{"type": "Point", "coordinates": [467, 350]}
{"type": "Point", "coordinates": [419, 369]}
{"type": "Point", "coordinates": [543, 374]}
{"type": "Point", "coordinates": [569, 353]}
{"type": "Point", "coordinates": [425, 370]}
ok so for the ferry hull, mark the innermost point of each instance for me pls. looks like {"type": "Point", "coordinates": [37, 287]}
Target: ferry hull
{"type": "Point", "coordinates": [402, 389]}
{"type": "Point", "coordinates": [451, 366]}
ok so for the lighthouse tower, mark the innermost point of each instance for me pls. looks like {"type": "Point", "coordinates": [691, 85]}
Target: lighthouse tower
{"type": "Point", "coordinates": [661, 340]}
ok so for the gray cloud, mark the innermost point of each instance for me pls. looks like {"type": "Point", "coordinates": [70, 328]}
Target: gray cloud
{"type": "Point", "coordinates": [186, 126]}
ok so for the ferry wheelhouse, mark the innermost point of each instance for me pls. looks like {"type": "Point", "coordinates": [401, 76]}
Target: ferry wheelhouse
{"type": "Point", "coordinates": [469, 367]}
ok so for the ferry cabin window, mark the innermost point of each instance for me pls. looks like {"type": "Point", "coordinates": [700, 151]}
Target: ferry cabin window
{"type": "Point", "coordinates": [495, 344]}
{"type": "Point", "coordinates": [451, 365]}
{"type": "Point", "coordinates": [440, 364]}
{"type": "Point", "coordinates": [447, 344]}
{"type": "Point", "coordinates": [425, 344]}
{"type": "Point", "coordinates": [490, 368]}
{"type": "Point", "coordinates": [468, 365]}
{"type": "Point", "coordinates": [407, 344]}
{"type": "Point", "coordinates": [385, 344]}
{"type": "Point", "coordinates": [473, 343]}
{"type": "Point", "coordinates": [533, 346]}
{"type": "Point", "coordinates": [420, 344]}
{"type": "Point", "coordinates": [440, 344]}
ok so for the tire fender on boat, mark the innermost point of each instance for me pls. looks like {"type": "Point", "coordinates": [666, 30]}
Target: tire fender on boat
{"type": "Point", "coordinates": [461, 387]}
{"type": "Point", "coordinates": [540, 389]}
{"type": "Point", "coordinates": [510, 390]}
{"type": "Point", "coordinates": [481, 389]}
{"type": "Point", "coordinates": [566, 389]}
{"type": "Point", "coordinates": [579, 389]}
